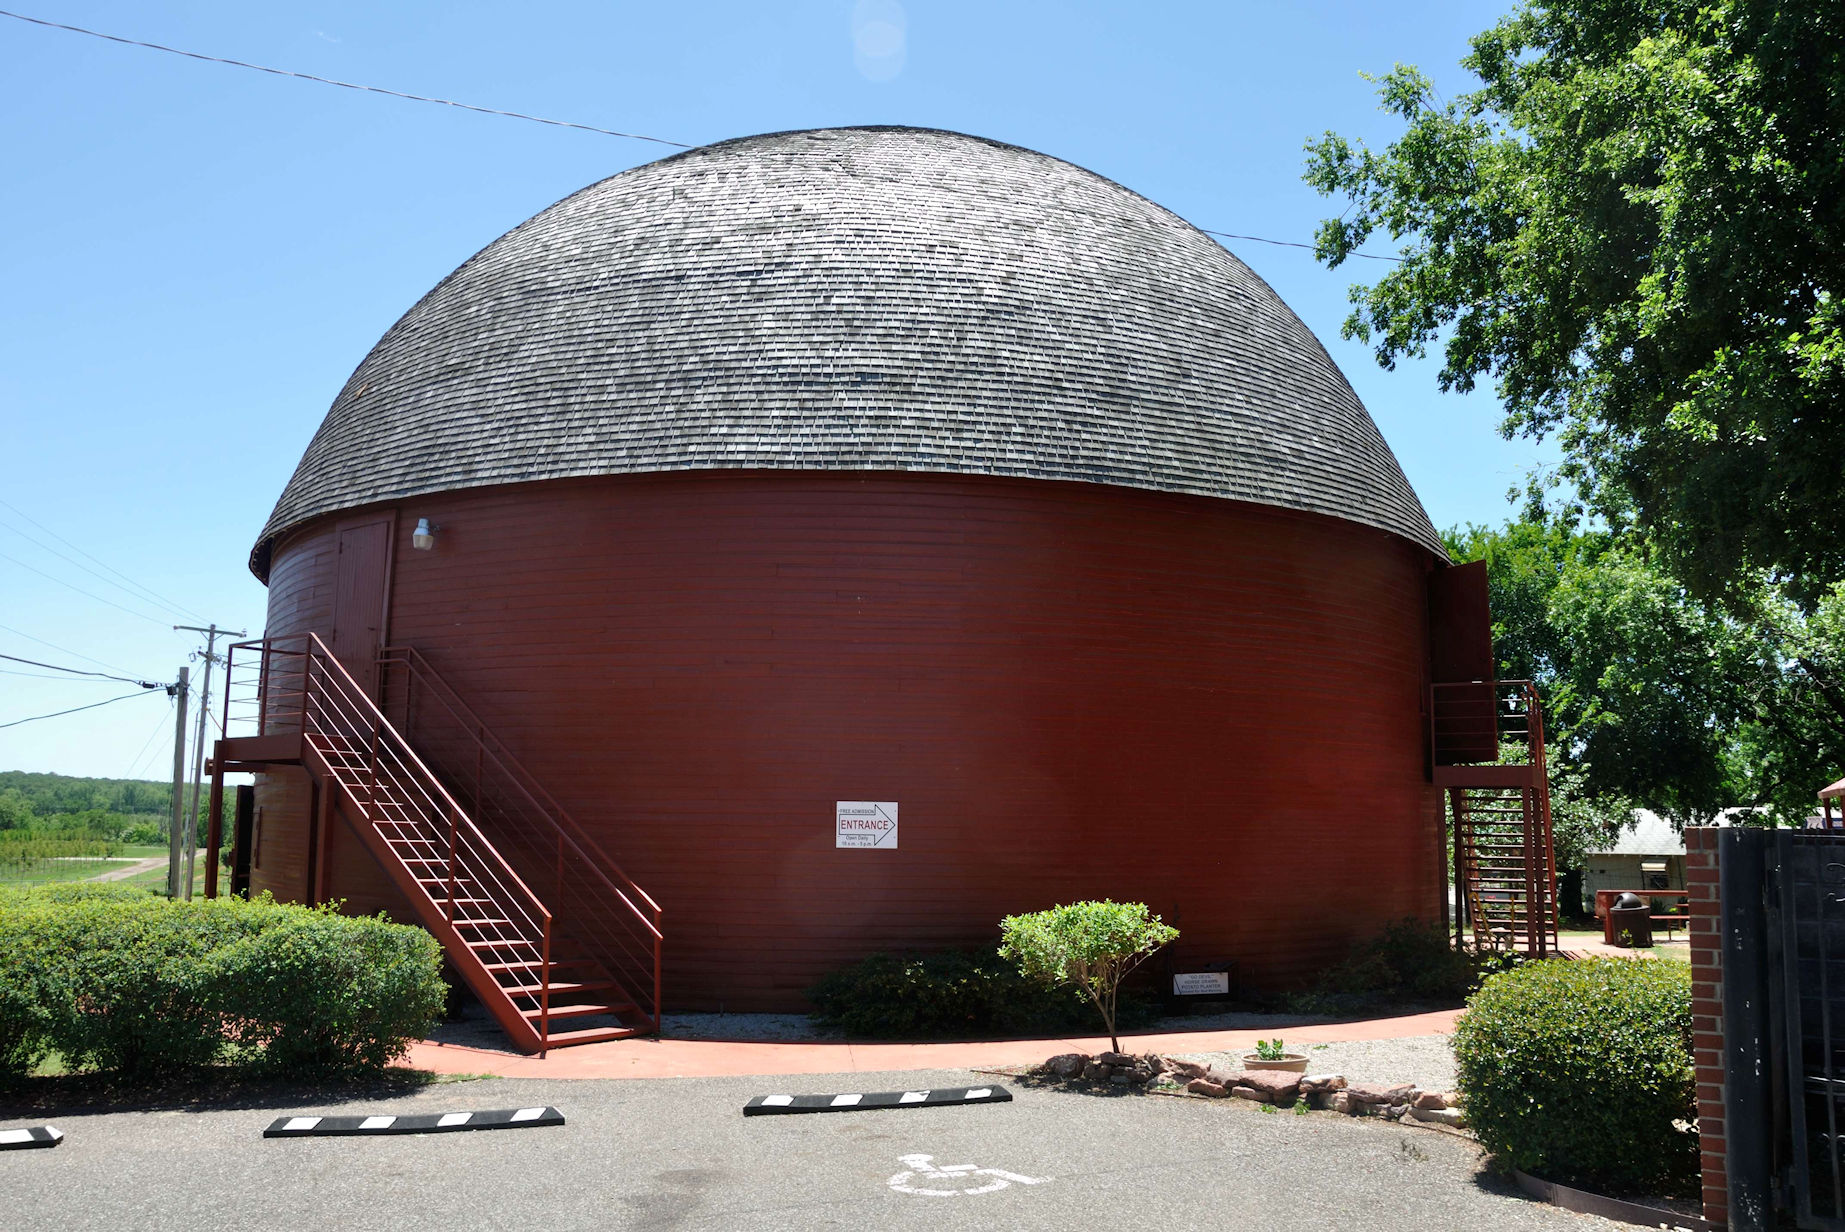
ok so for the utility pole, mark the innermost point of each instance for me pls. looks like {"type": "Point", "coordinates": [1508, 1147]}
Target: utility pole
{"type": "Point", "coordinates": [211, 633]}
{"type": "Point", "coordinates": [183, 689]}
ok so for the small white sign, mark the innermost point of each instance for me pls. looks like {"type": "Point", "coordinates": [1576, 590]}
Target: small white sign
{"type": "Point", "coordinates": [865, 823]}
{"type": "Point", "coordinates": [1200, 983]}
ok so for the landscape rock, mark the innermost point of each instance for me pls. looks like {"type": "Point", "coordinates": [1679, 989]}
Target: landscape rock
{"type": "Point", "coordinates": [1187, 1069]}
{"type": "Point", "coordinates": [1156, 1063]}
{"type": "Point", "coordinates": [1341, 1101]}
{"type": "Point", "coordinates": [1314, 1084]}
{"type": "Point", "coordinates": [1380, 1093]}
{"type": "Point", "coordinates": [1067, 1064]}
{"type": "Point", "coordinates": [1204, 1086]}
{"type": "Point", "coordinates": [1095, 1071]}
{"type": "Point", "coordinates": [1252, 1093]}
{"type": "Point", "coordinates": [1452, 1117]}
{"type": "Point", "coordinates": [1277, 1086]}
{"type": "Point", "coordinates": [1116, 1058]}
{"type": "Point", "coordinates": [1121, 1077]}
{"type": "Point", "coordinates": [1430, 1099]}
{"type": "Point", "coordinates": [1141, 1074]}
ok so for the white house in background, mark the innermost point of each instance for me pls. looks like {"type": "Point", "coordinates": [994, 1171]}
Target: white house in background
{"type": "Point", "coordinates": [1648, 855]}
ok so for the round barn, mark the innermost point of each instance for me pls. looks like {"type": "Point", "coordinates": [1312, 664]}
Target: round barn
{"type": "Point", "coordinates": [829, 542]}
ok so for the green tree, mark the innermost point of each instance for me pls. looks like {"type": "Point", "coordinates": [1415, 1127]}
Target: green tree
{"type": "Point", "coordinates": [1635, 227]}
{"type": "Point", "coordinates": [15, 811]}
{"type": "Point", "coordinates": [1092, 946]}
{"type": "Point", "coordinates": [1645, 688]}
{"type": "Point", "coordinates": [1652, 697]}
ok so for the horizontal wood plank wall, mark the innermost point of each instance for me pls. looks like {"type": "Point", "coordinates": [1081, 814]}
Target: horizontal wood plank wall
{"type": "Point", "coordinates": [1072, 691]}
{"type": "Point", "coordinates": [300, 598]}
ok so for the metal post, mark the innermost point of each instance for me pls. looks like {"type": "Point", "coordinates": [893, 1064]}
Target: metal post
{"type": "Point", "coordinates": [1747, 1098]}
{"type": "Point", "coordinates": [184, 690]}
{"type": "Point", "coordinates": [214, 828]}
{"type": "Point", "coordinates": [452, 879]}
{"type": "Point", "coordinates": [198, 757]}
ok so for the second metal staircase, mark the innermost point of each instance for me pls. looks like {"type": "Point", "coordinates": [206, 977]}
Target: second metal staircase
{"type": "Point", "coordinates": [1487, 740]}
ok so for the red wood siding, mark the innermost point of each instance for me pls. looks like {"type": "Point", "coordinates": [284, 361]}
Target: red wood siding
{"type": "Point", "coordinates": [1071, 690]}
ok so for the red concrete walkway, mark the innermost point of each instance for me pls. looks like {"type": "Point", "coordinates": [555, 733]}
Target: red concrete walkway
{"type": "Point", "coordinates": [674, 1058]}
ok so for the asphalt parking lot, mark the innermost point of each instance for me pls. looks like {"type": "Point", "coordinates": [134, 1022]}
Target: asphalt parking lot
{"type": "Point", "coordinates": [678, 1153]}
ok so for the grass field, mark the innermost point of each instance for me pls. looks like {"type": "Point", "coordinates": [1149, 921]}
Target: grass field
{"type": "Point", "coordinates": [42, 872]}
{"type": "Point", "coordinates": [38, 872]}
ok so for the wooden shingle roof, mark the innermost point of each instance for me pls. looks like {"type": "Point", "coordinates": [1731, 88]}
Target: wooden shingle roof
{"type": "Point", "coordinates": [878, 299]}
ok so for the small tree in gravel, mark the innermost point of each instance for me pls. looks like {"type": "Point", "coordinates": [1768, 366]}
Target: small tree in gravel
{"type": "Point", "coordinates": [1091, 945]}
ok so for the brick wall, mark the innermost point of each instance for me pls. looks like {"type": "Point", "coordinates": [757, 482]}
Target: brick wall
{"type": "Point", "coordinates": [1707, 1011]}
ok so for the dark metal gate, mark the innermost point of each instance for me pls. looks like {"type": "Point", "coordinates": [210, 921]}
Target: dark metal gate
{"type": "Point", "coordinates": [1805, 897]}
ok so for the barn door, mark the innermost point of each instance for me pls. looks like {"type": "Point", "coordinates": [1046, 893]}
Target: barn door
{"type": "Point", "coordinates": [361, 585]}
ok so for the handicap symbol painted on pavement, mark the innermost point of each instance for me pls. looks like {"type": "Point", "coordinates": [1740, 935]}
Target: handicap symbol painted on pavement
{"type": "Point", "coordinates": [923, 1177]}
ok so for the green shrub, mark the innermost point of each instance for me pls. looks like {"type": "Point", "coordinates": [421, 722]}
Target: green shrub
{"type": "Point", "coordinates": [948, 994]}
{"type": "Point", "coordinates": [121, 984]}
{"type": "Point", "coordinates": [323, 992]}
{"type": "Point", "coordinates": [1580, 1072]}
{"type": "Point", "coordinates": [120, 980]}
{"type": "Point", "coordinates": [1089, 946]}
{"type": "Point", "coordinates": [1414, 960]}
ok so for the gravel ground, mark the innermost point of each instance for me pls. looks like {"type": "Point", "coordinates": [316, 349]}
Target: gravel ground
{"type": "Point", "coordinates": [1425, 1060]}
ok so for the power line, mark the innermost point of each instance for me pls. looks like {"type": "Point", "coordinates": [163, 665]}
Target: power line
{"type": "Point", "coordinates": [74, 709]}
{"type": "Point", "coordinates": [1369, 256]}
{"type": "Point", "coordinates": [62, 649]}
{"type": "Point", "coordinates": [149, 591]}
{"type": "Point", "coordinates": [80, 590]}
{"type": "Point", "coordinates": [514, 115]}
{"type": "Point", "coordinates": [76, 671]}
{"type": "Point", "coordinates": [160, 725]}
{"type": "Point", "coordinates": [345, 85]}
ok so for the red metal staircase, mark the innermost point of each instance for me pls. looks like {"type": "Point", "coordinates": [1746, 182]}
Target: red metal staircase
{"type": "Point", "coordinates": [558, 945]}
{"type": "Point", "coordinates": [1487, 739]}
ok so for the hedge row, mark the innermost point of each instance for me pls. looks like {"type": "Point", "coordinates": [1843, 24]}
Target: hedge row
{"type": "Point", "coordinates": [117, 979]}
{"type": "Point", "coordinates": [953, 994]}
{"type": "Point", "coordinates": [1580, 1072]}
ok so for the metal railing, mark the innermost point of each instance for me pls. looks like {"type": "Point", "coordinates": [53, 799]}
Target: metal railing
{"type": "Point", "coordinates": [294, 685]}
{"type": "Point", "coordinates": [598, 906]}
{"type": "Point", "coordinates": [1471, 721]}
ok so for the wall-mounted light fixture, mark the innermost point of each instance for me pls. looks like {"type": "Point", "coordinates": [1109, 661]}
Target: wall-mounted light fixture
{"type": "Point", "coordinates": [424, 536]}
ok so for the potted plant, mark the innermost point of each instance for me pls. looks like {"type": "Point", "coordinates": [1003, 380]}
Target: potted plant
{"type": "Point", "coordinates": [1269, 1054]}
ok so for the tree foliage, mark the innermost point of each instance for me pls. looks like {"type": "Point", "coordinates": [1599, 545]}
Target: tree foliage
{"type": "Point", "coordinates": [1654, 698]}
{"type": "Point", "coordinates": [1091, 946]}
{"type": "Point", "coordinates": [1635, 227]}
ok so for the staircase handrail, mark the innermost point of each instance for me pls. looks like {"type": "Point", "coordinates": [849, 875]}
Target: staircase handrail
{"type": "Point", "coordinates": [314, 650]}
{"type": "Point", "coordinates": [568, 830]}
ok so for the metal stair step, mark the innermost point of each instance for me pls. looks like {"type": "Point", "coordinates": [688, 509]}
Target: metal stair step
{"type": "Point", "coordinates": [556, 963]}
{"type": "Point", "coordinates": [577, 1011]}
{"type": "Point", "coordinates": [557, 987]}
{"type": "Point", "coordinates": [592, 1035]}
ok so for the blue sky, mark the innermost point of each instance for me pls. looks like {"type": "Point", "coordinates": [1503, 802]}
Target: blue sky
{"type": "Point", "coordinates": [194, 256]}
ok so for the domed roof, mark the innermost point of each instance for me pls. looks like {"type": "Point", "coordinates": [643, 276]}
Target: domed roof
{"type": "Point", "coordinates": [864, 299]}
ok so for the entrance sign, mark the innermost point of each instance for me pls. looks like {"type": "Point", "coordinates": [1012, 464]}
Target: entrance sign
{"type": "Point", "coordinates": [865, 823]}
